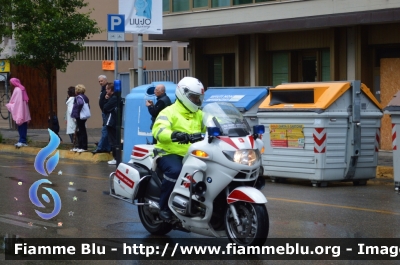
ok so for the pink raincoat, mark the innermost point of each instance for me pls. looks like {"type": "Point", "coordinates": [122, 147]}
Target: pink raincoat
{"type": "Point", "coordinates": [18, 105]}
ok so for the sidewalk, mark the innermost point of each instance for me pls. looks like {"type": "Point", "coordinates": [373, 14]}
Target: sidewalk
{"type": "Point", "coordinates": [384, 169]}
{"type": "Point", "coordinates": [42, 135]}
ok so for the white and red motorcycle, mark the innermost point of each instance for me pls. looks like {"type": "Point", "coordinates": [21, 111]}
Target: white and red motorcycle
{"type": "Point", "coordinates": [218, 190]}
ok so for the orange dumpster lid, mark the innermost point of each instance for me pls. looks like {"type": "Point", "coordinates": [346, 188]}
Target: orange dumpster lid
{"type": "Point", "coordinates": [315, 97]}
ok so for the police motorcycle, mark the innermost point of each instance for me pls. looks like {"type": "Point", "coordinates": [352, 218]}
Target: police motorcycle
{"type": "Point", "coordinates": [217, 193]}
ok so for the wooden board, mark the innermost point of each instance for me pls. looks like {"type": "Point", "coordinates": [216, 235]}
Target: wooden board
{"type": "Point", "coordinates": [390, 84]}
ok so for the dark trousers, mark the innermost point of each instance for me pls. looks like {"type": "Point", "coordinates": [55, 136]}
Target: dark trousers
{"type": "Point", "coordinates": [103, 142]}
{"type": "Point", "coordinates": [82, 134]}
{"type": "Point", "coordinates": [171, 166]}
{"type": "Point", "coordinates": [23, 131]}
{"type": "Point", "coordinates": [112, 140]}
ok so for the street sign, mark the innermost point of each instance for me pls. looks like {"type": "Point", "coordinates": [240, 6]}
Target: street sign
{"type": "Point", "coordinates": [115, 27]}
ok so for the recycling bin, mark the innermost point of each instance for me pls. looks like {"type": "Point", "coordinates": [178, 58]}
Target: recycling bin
{"type": "Point", "coordinates": [393, 109]}
{"type": "Point", "coordinates": [322, 132]}
{"type": "Point", "coordinates": [137, 119]}
{"type": "Point", "coordinates": [245, 99]}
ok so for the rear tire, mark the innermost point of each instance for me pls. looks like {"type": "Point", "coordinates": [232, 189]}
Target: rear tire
{"type": "Point", "coordinates": [254, 227]}
{"type": "Point", "coordinates": [151, 221]}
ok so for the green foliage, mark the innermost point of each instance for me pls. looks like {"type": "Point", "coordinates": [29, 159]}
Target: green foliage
{"type": "Point", "coordinates": [1, 137]}
{"type": "Point", "coordinates": [49, 32]}
{"type": "Point", "coordinates": [5, 28]}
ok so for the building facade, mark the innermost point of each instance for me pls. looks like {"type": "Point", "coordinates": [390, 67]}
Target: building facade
{"type": "Point", "coordinates": [157, 55]}
{"type": "Point", "coordinates": [265, 43]}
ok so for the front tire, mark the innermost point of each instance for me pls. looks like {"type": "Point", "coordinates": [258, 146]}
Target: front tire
{"type": "Point", "coordinates": [152, 222]}
{"type": "Point", "coordinates": [254, 224]}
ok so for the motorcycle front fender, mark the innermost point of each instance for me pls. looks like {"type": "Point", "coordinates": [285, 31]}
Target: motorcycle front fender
{"type": "Point", "coordinates": [246, 194]}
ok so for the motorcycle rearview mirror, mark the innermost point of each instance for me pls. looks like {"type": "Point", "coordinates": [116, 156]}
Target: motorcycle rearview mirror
{"type": "Point", "coordinates": [213, 132]}
{"type": "Point", "coordinates": [258, 130]}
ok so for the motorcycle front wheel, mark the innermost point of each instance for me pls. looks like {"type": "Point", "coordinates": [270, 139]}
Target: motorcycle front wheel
{"type": "Point", "coordinates": [254, 224]}
{"type": "Point", "coordinates": [152, 222]}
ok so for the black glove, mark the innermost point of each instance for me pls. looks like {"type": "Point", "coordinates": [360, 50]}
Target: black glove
{"type": "Point", "coordinates": [181, 137]}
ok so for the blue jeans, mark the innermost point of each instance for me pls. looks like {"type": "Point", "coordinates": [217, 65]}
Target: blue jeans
{"type": "Point", "coordinates": [23, 131]}
{"type": "Point", "coordinates": [171, 166]}
{"type": "Point", "coordinates": [104, 145]}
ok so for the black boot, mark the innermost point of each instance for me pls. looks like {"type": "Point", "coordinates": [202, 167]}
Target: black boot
{"type": "Point", "coordinates": [165, 214]}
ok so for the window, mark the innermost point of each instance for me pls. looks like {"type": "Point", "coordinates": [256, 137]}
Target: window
{"type": "Point", "coordinates": [180, 5]}
{"type": "Point", "coordinates": [157, 53]}
{"type": "Point", "coordinates": [100, 53]}
{"type": "Point", "coordinates": [242, 2]}
{"type": "Point", "coordinates": [220, 3]}
{"type": "Point", "coordinates": [280, 68]}
{"type": "Point", "coordinates": [200, 3]}
{"type": "Point", "coordinates": [325, 66]}
{"type": "Point", "coordinates": [217, 71]}
{"type": "Point", "coordinates": [165, 5]}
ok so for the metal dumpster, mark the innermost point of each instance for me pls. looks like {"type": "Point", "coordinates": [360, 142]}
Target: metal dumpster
{"type": "Point", "coordinates": [137, 119]}
{"type": "Point", "coordinates": [245, 99]}
{"type": "Point", "coordinates": [322, 131]}
{"type": "Point", "coordinates": [393, 109]}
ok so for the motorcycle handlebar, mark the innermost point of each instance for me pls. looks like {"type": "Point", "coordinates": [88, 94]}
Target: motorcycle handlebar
{"type": "Point", "coordinates": [195, 137]}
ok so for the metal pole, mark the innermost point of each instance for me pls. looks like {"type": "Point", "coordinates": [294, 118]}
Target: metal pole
{"type": "Point", "coordinates": [140, 59]}
{"type": "Point", "coordinates": [117, 89]}
{"type": "Point", "coordinates": [115, 60]}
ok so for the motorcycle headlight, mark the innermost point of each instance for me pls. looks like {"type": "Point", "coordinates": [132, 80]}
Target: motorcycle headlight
{"type": "Point", "coordinates": [245, 157]}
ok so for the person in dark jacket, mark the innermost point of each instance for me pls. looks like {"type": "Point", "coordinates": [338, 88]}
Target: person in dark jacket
{"type": "Point", "coordinates": [109, 107]}
{"type": "Point", "coordinates": [163, 101]}
{"type": "Point", "coordinates": [103, 146]}
{"type": "Point", "coordinates": [79, 101]}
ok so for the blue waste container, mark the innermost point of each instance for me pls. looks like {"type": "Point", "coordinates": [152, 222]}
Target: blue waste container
{"type": "Point", "coordinates": [137, 119]}
{"type": "Point", "coordinates": [245, 99]}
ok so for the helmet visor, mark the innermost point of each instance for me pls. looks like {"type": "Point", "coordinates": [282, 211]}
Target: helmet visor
{"type": "Point", "coordinates": [195, 98]}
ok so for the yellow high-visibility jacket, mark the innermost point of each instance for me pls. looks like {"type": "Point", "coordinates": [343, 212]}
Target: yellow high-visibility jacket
{"type": "Point", "coordinates": [175, 118]}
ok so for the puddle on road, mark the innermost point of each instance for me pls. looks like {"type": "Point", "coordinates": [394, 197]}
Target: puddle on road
{"type": "Point", "coordinates": [73, 189]}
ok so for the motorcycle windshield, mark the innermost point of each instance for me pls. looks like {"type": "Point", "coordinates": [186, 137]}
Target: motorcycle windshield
{"type": "Point", "coordinates": [227, 118]}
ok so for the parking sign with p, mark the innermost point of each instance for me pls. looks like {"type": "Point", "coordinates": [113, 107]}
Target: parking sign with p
{"type": "Point", "coordinates": [116, 27]}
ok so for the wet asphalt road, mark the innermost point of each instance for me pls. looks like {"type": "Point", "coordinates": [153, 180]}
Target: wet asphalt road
{"type": "Point", "coordinates": [296, 210]}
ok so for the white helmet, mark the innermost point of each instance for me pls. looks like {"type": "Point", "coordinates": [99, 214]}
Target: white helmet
{"type": "Point", "coordinates": [190, 92]}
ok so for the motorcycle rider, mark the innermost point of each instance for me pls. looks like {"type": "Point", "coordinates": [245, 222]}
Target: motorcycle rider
{"type": "Point", "coordinates": [177, 121]}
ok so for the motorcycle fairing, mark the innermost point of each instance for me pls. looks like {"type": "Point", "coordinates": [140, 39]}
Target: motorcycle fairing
{"type": "Point", "coordinates": [246, 194]}
{"type": "Point", "coordinates": [246, 142]}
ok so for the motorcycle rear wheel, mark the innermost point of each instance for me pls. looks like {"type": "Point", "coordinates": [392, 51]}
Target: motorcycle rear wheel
{"type": "Point", "coordinates": [148, 220]}
{"type": "Point", "coordinates": [254, 224]}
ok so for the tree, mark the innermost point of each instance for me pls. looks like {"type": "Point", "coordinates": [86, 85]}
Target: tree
{"type": "Point", "coordinates": [5, 29]}
{"type": "Point", "coordinates": [49, 33]}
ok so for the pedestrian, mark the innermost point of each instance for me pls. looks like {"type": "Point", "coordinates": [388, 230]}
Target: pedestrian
{"type": "Point", "coordinates": [79, 104]}
{"type": "Point", "coordinates": [109, 108]}
{"type": "Point", "coordinates": [176, 122]}
{"type": "Point", "coordinates": [71, 124]}
{"type": "Point", "coordinates": [54, 125]}
{"type": "Point", "coordinates": [103, 145]}
{"type": "Point", "coordinates": [163, 101]}
{"type": "Point", "coordinates": [19, 109]}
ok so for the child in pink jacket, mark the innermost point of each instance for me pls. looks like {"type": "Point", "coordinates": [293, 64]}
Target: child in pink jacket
{"type": "Point", "coordinates": [18, 106]}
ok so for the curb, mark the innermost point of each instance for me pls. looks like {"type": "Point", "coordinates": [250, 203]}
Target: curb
{"type": "Point", "coordinates": [85, 156]}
